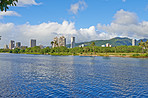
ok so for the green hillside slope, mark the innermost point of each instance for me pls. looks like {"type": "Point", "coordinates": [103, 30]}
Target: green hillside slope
{"type": "Point", "coordinates": [114, 42]}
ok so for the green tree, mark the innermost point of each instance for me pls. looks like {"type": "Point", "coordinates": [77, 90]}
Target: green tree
{"type": "Point", "coordinates": [93, 45]}
{"type": "Point", "coordinates": [56, 44]}
{"type": "Point", "coordinates": [52, 43]}
{"type": "Point", "coordinates": [5, 3]}
{"type": "Point", "coordinates": [143, 45]}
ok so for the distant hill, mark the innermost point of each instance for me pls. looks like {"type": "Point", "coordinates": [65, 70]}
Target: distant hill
{"type": "Point", "coordinates": [117, 41]}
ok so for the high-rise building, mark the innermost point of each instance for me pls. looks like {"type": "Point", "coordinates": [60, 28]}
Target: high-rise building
{"type": "Point", "coordinates": [133, 42]}
{"type": "Point", "coordinates": [12, 44]}
{"type": "Point", "coordinates": [72, 42]}
{"type": "Point", "coordinates": [62, 41]}
{"type": "Point", "coordinates": [32, 43]}
{"type": "Point", "coordinates": [18, 44]}
{"type": "Point", "coordinates": [55, 42]}
{"type": "Point", "coordinates": [6, 47]}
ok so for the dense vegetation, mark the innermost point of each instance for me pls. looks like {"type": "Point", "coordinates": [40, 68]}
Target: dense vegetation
{"type": "Point", "coordinates": [135, 51]}
{"type": "Point", "coordinates": [76, 50]}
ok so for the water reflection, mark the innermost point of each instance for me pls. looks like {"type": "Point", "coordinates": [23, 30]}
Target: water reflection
{"type": "Point", "coordinates": [72, 76]}
{"type": "Point", "coordinates": [106, 57]}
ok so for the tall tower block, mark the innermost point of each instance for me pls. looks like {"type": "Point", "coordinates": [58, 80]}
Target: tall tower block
{"type": "Point", "coordinates": [18, 44]}
{"type": "Point", "coordinates": [72, 42]}
{"type": "Point", "coordinates": [133, 42]}
{"type": "Point", "coordinates": [32, 43]}
{"type": "Point", "coordinates": [12, 44]}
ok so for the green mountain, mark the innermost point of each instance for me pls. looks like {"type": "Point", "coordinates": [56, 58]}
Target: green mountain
{"type": "Point", "coordinates": [117, 41]}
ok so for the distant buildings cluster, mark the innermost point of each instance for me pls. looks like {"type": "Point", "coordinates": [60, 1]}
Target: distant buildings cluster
{"type": "Point", "coordinates": [12, 45]}
{"type": "Point", "coordinates": [82, 45]}
{"type": "Point", "coordinates": [57, 42]}
{"type": "Point", "coordinates": [107, 45]}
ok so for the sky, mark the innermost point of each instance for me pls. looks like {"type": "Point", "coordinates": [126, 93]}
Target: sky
{"type": "Point", "coordinates": [87, 20]}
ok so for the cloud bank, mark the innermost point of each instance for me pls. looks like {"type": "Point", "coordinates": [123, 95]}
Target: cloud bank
{"type": "Point", "coordinates": [8, 13]}
{"type": "Point", "coordinates": [45, 32]}
{"type": "Point", "coordinates": [79, 6]}
{"type": "Point", "coordinates": [125, 24]}
{"type": "Point", "coordinates": [27, 2]}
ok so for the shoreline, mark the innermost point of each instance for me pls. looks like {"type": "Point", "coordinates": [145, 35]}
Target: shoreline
{"type": "Point", "coordinates": [124, 55]}
{"type": "Point", "coordinates": [115, 56]}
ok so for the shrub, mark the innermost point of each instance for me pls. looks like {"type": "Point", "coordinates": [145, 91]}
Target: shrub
{"type": "Point", "coordinates": [123, 54]}
{"type": "Point", "coordinates": [146, 55]}
{"type": "Point", "coordinates": [135, 55]}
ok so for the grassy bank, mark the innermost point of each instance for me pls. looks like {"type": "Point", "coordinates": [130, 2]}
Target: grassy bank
{"type": "Point", "coordinates": [120, 51]}
{"type": "Point", "coordinates": [134, 55]}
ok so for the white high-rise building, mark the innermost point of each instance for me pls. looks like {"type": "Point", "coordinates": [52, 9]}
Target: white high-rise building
{"type": "Point", "coordinates": [62, 41]}
{"type": "Point", "coordinates": [133, 42]}
{"type": "Point", "coordinates": [12, 44]}
{"type": "Point", "coordinates": [72, 42]}
{"type": "Point", "coordinates": [6, 47]}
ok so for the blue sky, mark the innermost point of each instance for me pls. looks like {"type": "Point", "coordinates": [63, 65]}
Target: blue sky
{"type": "Point", "coordinates": [97, 11]}
{"type": "Point", "coordinates": [85, 19]}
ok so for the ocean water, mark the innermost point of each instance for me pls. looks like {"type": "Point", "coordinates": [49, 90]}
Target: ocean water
{"type": "Point", "coordinates": [46, 76]}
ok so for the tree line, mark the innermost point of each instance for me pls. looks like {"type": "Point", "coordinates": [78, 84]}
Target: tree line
{"type": "Point", "coordinates": [87, 49]}
{"type": "Point", "coordinates": [142, 48]}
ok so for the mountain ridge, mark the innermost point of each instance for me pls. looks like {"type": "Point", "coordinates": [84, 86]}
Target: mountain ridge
{"type": "Point", "coordinates": [117, 41]}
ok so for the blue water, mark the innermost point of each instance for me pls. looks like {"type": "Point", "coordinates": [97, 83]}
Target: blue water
{"type": "Point", "coordinates": [72, 76]}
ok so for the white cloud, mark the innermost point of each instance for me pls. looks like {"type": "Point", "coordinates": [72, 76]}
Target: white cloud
{"type": "Point", "coordinates": [81, 5]}
{"type": "Point", "coordinates": [126, 24]}
{"type": "Point", "coordinates": [125, 17]}
{"type": "Point", "coordinates": [123, 0]}
{"type": "Point", "coordinates": [27, 2]}
{"type": "Point", "coordinates": [8, 13]}
{"type": "Point", "coordinates": [45, 32]}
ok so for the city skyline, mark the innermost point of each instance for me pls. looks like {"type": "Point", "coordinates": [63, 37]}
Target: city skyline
{"type": "Point", "coordinates": [87, 20]}
{"type": "Point", "coordinates": [57, 42]}
{"type": "Point", "coordinates": [61, 41]}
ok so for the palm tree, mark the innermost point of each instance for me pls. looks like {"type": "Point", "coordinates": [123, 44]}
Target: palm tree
{"type": "Point", "coordinates": [146, 45]}
{"type": "Point", "coordinates": [93, 44]}
{"type": "Point", "coordinates": [5, 3]}
{"type": "Point", "coordinates": [56, 43]}
{"type": "Point", "coordinates": [52, 43]}
{"type": "Point", "coordinates": [143, 45]}
{"type": "Point", "coordinates": [115, 49]}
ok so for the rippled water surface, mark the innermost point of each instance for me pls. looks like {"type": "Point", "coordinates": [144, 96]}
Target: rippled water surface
{"type": "Point", "coordinates": [72, 76]}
